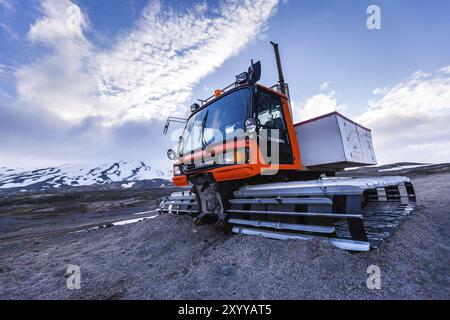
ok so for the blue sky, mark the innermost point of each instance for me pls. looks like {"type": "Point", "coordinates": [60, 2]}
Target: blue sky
{"type": "Point", "coordinates": [92, 81]}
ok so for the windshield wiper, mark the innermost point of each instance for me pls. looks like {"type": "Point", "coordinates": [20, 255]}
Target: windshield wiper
{"type": "Point", "coordinates": [203, 129]}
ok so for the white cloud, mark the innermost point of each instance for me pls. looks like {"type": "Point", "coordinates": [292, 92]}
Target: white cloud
{"type": "Point", "coordinates": [62, 20]}
{"type": "Point", "coordinates": [5, 79]}
{"type": "Point", "coordinates": [60, 82]}
{"type": "Point", "coordinates": [154, 68]}
{"type": "Point", "coordinates": [9, 31]}
{"type": "Point", "coordinates": [445, 69]}
{"type": "Point", "coordinates": [380, 90]}
{"type": "Point", "coordinates": [316, 105]}
{"type": "Point", "coordinates": [150, 70]}
{"type": "Point", "coordinates": [410, 121]}
{"type": "Point", "coordinates": [7, 4]}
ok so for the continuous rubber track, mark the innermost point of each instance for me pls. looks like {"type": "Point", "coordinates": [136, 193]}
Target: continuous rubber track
{"type": "Point", "coordinates": [352, 213]}
{"type": "Point", "coordinates": [380, 220]}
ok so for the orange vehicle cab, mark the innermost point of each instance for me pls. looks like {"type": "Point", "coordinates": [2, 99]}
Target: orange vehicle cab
{"type": "Point", "coordinates": [231, 137]}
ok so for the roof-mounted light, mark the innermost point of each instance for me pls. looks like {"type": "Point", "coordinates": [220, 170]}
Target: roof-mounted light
{"type": "Point", "coordinates": [242, 78]}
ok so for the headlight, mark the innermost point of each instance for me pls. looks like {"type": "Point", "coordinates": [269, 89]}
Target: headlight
{"type": "Point", "coordinates": [250, 125]}
{"type": "Point", "coordinates": [194, 107]}
{"type": "Point", "coordinates": [228, 157]}
{"type": "Point", "coordinates": [240, 156]}
{"type": "Point", "coordinates": [176, 170]}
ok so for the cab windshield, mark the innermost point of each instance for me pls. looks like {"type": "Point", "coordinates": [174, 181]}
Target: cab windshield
{"type": "Point", "coordinates": [222, 119]}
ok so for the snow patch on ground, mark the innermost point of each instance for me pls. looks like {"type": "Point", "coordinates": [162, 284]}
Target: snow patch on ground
{"type": "Point", "coordinates": [144, 212]}
{"type": "Point", "coordinates": [121, 222]}
{"type": "Point", "coordinates": [128, 185]}
{"type": "Point", "coordinates": [405, 167]}
{"type": "Point", "coordinates": [128, 221]}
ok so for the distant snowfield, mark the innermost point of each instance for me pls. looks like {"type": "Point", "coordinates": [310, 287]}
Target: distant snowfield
{"type": "Point", "coordinates": [82, 175]}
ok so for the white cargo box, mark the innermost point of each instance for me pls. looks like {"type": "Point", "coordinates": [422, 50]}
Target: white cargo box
{"type": "Point", "coordinates": [334, 141]}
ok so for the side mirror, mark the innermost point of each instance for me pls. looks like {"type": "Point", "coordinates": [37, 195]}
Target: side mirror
{"type": "Point", "coordinates": [254, 72]}
{"type": "Point", "coordinates": [251, 124]}
{"type": "Point", "coordinates": [171, 154]}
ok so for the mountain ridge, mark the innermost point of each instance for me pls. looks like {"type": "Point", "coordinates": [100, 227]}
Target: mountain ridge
{"type": "Point", "coordinates": [125, 172]}
{"type": "Point", "coordinates": [141, 174]}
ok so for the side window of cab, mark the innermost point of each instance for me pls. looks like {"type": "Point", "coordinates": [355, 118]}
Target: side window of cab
{"type": "Point", "coordinates": [270, 114]}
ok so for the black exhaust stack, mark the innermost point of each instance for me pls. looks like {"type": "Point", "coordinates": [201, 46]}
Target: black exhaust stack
{"type": "Point", "coordinates": [280, 70]}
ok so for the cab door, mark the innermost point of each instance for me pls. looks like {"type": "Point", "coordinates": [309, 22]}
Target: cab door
{"type": "Point", "coordinates": [272, 126]}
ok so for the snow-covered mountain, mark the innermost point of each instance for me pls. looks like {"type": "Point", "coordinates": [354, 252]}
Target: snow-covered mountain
{"type": "Point", "coordinates": [124, 173]}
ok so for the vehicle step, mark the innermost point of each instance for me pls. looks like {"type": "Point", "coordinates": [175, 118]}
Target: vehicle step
{"type": "Point", "coordinates": [181, 203]}
{"type": "Point", "coordinates": [346, 244]}
{"type": "Point", "coordinates": [306, 214]}
{"type": "Point", "coordinates": [282, 225]}
{"type": "Point", "coordinates": [315, 201]}
{"type": "Point", "coordinates": [190, 197]}
{"type": "Point", "coordinates": [173, 210]}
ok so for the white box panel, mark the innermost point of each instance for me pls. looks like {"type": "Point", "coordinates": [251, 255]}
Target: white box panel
{"type": "Point", "coordinates": [334, 141]}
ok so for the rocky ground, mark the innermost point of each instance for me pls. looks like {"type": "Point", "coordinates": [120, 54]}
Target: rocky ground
{"type": "Point", "coordinates": [168, 257]}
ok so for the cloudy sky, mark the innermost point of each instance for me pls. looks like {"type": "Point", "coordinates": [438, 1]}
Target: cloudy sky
{"type": "Point", "coordinates": [92, 81]}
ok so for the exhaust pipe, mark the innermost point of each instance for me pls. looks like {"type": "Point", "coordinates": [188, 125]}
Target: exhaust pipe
{"type": "Point", "coordinates": [280, 70]}
{"type": "Point", "coordinates": [281, 82]}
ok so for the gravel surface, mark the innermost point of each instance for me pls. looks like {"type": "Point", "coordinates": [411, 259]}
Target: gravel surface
{"type": "Point", "coordinates": [169, 257]}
